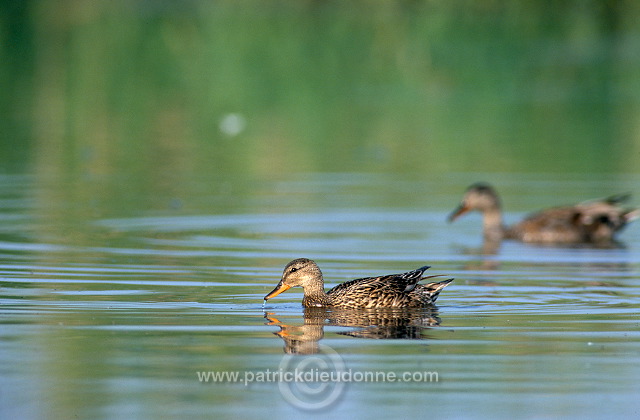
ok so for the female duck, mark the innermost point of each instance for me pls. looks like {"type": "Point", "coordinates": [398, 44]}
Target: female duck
{"type": "Point", "coordinates": [389, 291]}
{"type": "Point", "coordinates": [589, 222]}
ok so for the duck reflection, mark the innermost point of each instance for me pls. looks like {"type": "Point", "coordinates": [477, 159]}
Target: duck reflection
{"type": "Point", "coordinates": [487, 257]}
{"type": "Point", "coordinates": [481, 258]}
{"type": "Point", "coordinates": [404, 323]}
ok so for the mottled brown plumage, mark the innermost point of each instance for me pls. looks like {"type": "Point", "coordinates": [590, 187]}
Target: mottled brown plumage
{"type": "Point", "coordinates": [389, 291]}
{"type": "Point", "coordinates": [589, 222]}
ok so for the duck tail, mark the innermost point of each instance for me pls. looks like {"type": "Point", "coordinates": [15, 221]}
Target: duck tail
{"type": "Point", "coordinates": [631, 215]}
{"type": "Point", "coordinates": [437, 286]}
{"type": "Point", "coordinates": [617, 198]}
{"type": "Point", "coordinates": [434, 288]}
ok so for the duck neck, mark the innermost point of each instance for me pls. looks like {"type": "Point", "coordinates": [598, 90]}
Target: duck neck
{"type": "Point", "coordinates": [314, 294]}
{"type": "Point", "coordinates": [492, 224]}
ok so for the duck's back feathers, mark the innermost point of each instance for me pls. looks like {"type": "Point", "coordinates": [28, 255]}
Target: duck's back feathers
{"type": "Point", "coordinates": [392, 290]}
{"type": "Point", "coordinates": [559, 224]}
{"type": "Point", "coordinates": [403, 282]}
{"type": "Point", "coordinates": [592, 222]}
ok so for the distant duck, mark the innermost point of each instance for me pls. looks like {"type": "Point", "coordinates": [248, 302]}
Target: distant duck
{"type": "Point", "coordinates": [589, 222]}
{"type": "Point", "coordinates": [388, 291]}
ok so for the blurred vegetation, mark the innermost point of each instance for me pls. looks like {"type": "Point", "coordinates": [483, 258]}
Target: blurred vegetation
{"type": "Point", "coordinates": [157, 94]}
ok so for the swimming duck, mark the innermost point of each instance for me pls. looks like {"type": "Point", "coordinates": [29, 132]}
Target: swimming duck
{"type": "Point", "coordinates": [589, 222]}
{"type": "Point", "coordinates": [388, 291]}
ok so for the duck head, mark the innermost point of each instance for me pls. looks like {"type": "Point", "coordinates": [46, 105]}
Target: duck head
{"type": "Point", "coordinates": [481, 197]}
{"type": "Point", "coordinates": [301, 272]}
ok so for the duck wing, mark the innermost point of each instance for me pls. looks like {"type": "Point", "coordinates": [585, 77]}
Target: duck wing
{"type": "Point", "coordinates": [391, 283]}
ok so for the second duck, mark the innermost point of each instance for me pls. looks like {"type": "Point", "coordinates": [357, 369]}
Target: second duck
{"type": "Point", "coordinates": [589, 222]}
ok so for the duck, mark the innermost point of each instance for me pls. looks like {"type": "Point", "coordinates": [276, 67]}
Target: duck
{"type": "Point", "coordinates": [596, 221]}
{"type": "Point", "coordinates": [387, 291]}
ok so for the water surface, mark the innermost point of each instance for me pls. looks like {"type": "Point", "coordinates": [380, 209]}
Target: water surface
{"type": "Point", "coordinates": [106, 317]}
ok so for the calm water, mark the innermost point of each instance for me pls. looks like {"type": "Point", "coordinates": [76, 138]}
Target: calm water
{"type": "Point", "coordinates": [107, 316]}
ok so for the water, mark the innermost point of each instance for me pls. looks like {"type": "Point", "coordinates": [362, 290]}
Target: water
{"type": "Point", "coordinates": [111, 311]}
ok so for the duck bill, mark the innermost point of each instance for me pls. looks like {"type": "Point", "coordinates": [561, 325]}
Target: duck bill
{"type": "Point", "coordinates": [281, 287]}
{"type": "Point", "coordinates": [462, 209]}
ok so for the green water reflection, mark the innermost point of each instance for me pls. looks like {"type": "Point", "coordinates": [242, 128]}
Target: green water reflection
{"type": "Point", "coordinates": [156, 94]}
